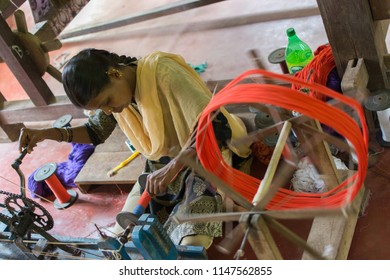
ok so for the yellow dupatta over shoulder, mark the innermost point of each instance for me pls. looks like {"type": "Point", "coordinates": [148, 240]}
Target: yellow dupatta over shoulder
{"type": "Point", "coordinates": [170, 97]}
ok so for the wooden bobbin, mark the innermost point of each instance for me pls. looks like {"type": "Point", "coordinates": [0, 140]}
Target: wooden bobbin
{"type": "Point", "coordinates": [379, 102]}
{"type": "Point", "coordinates": [63, 121]}
{"type": "Point", "coordinates": [64, 198]}
{"type": "Point", "coordinates": [278, 57]}
{"type": "Point", "coordinates": [125, 218]}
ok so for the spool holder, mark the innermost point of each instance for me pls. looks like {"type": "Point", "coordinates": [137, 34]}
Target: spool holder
{"type": "Point", "coordinates": [278, 57]}
{"type": "Point", "coordinates": [64, 198]}
{"type": "Point", "coordinates": [126, 218]}
{"type": "Point", "coordinates": [379, 102]}
{"type": "Point", "coordinates": [63, 121]}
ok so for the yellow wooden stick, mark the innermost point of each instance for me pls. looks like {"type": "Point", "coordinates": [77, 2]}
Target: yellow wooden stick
{"type": "Point", "coordinates": [113, 171]}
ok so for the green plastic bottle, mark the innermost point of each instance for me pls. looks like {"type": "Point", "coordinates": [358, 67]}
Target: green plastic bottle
{"type": "Point", "coordinates": [298, 53]}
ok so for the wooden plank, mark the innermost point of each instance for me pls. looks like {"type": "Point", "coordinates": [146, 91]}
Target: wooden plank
{"type": "Point", "coordinates": [24, 111]}
{"type": "Point", "coordinates": [107, 156]}
{"type": "Point", "coordinates": [116, 142]}
{"type": "Point", "coordinates": [22, 67]}
{"type": "Point", "coordinates": [333, 235]}
{"type": "Point", "coordinates": [354, 35]}
{"type": "Point", "coordinates": [95, 170]}
{"type": "Point", "coordinates": [380, 9]}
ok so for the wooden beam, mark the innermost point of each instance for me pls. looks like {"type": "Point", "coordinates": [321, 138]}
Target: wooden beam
{"type": "Point", "coordinates": [64, 15]}
{"type": "Point", "coordinates": [22, 67]}
{"type": "Point", "coordinates": [380, 9]}
{"type": "Point", "coordinates": [7, 7]}
{"type": "Point", "coordinates": [24, 111]}
{"type": "Point", "coordinates": [354, 35]}
{"type": "Point", "coordinates": [164, 10]}
{"type": "Point", "coordinates": [10, 133]}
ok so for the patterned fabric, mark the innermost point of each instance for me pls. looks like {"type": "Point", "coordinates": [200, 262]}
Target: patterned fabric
{"type": "Point", "coordinates": [100, 126]}
{"type": "Point", "coordinates": [187, 194]}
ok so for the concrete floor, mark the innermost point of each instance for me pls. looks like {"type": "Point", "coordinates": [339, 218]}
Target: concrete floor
{"type": "Point", "coordinates": [220, 34]}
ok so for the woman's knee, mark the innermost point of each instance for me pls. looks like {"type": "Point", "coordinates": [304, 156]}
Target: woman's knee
{"type": "Point", "coordinates": [197, 240]}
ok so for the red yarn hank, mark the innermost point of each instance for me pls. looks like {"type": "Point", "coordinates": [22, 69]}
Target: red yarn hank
{"type": "Point", "coordinates": [317, 70]}
{"type": "Point", "coordinates": [235, 93]}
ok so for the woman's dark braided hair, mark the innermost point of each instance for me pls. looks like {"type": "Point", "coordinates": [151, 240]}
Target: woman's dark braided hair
{"type": "Point", "coordinates": [84, 76]}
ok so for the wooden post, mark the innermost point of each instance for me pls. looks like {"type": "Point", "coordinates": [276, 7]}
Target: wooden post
{"type": "Point", "coordinates": [22, 67]}
{"type": "Point", "coordinates": [353, 33]}
{"type": "Point", "coordinates": [380, 9]}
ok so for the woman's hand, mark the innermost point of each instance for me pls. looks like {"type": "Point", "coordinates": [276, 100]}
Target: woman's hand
{"type": "Point", "coordinates": [29, 138]}
{"type": "Point", "coordinates": [158, 181]}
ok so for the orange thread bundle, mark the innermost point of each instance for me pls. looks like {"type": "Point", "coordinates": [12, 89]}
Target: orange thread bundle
{"type": "Point", "coordinates": [235, 93]}
{"type": "Point", "coordinates": [317, 70]}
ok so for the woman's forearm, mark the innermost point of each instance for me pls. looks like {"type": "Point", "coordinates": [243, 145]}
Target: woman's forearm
{"type": "Point", "coordinates": [77, 134]}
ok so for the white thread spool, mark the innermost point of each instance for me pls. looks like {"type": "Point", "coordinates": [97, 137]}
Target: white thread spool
{"type": "Point", "coordinates": [380, 103]}
{"type": "Point", "coordinates": [384, 123]}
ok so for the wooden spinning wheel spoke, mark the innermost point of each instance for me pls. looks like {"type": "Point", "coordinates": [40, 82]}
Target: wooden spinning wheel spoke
{"type": "Point", "coordinates": [265, 193]}
{"type": "Point", "coordinates": [21, 23]}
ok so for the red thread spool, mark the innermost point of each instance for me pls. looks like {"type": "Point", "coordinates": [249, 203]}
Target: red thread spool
{"type": "Point", "coordinates": [125, 218]}
{"type": "Point", "coordinates": [64, 198]}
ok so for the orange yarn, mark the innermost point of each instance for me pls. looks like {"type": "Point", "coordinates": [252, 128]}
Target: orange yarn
{"type": "Point", "coordinates": [317, 70]}
{"type": "Point", "coordinates": [234, 93]}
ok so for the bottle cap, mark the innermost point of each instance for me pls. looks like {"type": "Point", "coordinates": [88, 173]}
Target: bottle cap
{"type": "Point", "coordinates": [290, 32]}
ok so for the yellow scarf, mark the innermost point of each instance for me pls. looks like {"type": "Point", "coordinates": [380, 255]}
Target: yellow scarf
{"type": "Point", "coordinates": [170, 97]}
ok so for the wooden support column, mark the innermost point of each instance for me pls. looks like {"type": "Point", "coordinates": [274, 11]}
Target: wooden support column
{"type": "Point", "coordinates": [353, 33]}
{"type": "Point", "coordinates": [20, 64]}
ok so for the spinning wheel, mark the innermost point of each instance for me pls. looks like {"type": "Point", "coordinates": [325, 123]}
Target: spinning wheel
{"type": "Point", "coordinates": [270, 198]}
{"type": "Point", "coordinates": [37, 50]}
{"type": "Point", "coordinates": [19, 206]}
